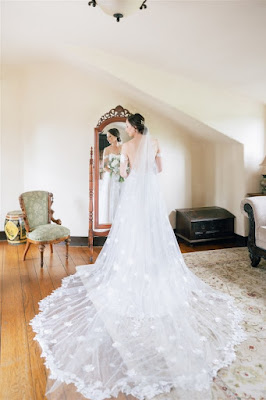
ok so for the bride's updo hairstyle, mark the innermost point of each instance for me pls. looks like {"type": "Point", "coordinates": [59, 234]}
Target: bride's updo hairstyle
{"type": "Point", "coordinates": [115, 132]}
{"type": "Point", "coordinates": [137, 121]}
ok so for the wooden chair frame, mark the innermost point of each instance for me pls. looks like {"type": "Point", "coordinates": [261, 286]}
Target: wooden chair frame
{"type": "Point", "coordinates": [255, 253]}
{"type": "Point", "coordinates": [41, 244]}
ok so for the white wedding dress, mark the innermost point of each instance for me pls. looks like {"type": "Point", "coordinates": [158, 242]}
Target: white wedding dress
{"type": "Point", "coordinates": [109, 193]}
{"type": "Point", "coordinates": [138, 321]}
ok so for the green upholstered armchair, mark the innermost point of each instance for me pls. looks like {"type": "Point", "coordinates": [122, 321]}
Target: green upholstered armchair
{"type": "Point", "coordinates": [38, 215]}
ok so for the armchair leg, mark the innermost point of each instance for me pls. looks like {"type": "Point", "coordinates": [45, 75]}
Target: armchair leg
{"type": "Point", "coordinates": [91, 252]}
{"type": "Point", "coordinates": [51, 248]}
{"type": "Point", "coordinates": [41, 248]}
{"type": "Point", "coordinates": [67, 246]}
{"type": "Point", "coordinates": [26, 250]}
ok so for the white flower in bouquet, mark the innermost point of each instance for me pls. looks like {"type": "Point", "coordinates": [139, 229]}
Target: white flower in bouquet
{"type": "Point", "coordinates": [114, 166]}
{"type": "Point", "coordinates": [115, 162]}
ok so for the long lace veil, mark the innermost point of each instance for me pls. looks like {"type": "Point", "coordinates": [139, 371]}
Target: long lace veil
{"type": "Point", "coordinates": [137, 321]}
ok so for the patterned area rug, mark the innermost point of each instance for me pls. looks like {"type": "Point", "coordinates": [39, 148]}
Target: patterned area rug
{"type": "Point", "coordinates": [229, 271]}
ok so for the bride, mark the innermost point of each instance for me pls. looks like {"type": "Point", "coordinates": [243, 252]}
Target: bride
{"type": "Point", "coordinates": [110, 186]}
{"type": "Point", "coordinates": [138, 321]}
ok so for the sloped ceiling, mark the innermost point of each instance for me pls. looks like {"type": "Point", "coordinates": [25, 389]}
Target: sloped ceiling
{"type": "Point", "coordinates": [221, 43]}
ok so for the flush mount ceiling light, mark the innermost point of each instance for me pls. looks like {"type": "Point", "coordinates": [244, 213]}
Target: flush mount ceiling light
{"type": "Point", "coordinates": [119, 8]}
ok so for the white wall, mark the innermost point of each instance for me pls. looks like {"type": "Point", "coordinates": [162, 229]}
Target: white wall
{"type": "Point", "coordinates": [217, 177]}
{"type": "Point", "coordinates": [49, 118]}
{"type": "Point", "coordinates": [12, 166]}
{"type": "Point", "coordinates": [265, 129]}
{"type": "Point", "coordinates": [238, 117]}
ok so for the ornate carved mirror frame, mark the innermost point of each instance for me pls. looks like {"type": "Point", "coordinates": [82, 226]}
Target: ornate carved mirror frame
{"type": "Point", "coordinates": [117, 114]}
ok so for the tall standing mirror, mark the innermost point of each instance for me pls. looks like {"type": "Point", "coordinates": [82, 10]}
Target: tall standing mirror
{"type": "Point", "coordinates": [105, 180]}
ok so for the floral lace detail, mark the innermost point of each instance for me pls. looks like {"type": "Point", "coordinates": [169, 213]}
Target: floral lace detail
{"type": "Point", "coordinates": [138, 321]}
{"type": "Point", "coordinates": [132, 383]}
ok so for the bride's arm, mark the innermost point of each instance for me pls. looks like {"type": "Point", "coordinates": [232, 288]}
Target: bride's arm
{"type": "Point", "coordinates": [105, 161]}
{"type": "Point", "coordinates": [124, 161]}
{"type": "Point", "coordinates": [158, 158]}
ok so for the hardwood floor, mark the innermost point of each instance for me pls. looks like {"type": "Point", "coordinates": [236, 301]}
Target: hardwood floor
{"type": "Point", "coordinates": [23, 285]}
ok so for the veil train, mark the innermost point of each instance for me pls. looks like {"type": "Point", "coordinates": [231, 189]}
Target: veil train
{"type": "Point", "coordinates": [138, 321]}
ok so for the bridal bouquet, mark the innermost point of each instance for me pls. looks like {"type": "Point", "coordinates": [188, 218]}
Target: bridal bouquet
{"type": "Point", "coordinates": [114, 166]}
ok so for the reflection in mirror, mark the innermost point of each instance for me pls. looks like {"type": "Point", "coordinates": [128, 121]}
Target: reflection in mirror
{"type": "Point", "coordinates": [100, 191]}
{"type": "Point", "coordinates": [110, 181]}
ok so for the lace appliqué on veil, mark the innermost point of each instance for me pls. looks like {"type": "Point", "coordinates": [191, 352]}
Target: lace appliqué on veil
{"type": "Point", "coordinates": [138, 321]}
{"type": "Point", "coordinates": [132, 383]}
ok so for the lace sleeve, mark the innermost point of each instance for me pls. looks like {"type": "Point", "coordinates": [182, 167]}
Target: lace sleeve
{"type": "Point", "coordinates": [124, 165]}
{"type": "Point", "coordinates": [123, 158]}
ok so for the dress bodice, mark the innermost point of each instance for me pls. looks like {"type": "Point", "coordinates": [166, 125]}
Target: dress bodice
{"type": "Point", "coordinates": [112, 155]}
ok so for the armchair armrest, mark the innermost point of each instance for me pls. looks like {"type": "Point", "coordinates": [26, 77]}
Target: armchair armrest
{"type": "Point", "coordinates": [258, 205]}
{"type": "Point", "coordinates": [56, 221]}
{"type": "Point", "coordinates": [255, 209]}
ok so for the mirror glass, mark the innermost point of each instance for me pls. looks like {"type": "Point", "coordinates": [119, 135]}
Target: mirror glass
{"type": "Point", "coordinates": [109, 180]}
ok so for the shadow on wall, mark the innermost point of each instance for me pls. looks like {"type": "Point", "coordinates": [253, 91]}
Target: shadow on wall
{"type": "Point", "coordinates": [265, 129]}
{"type": "Point", "coordinates": [218, 177]}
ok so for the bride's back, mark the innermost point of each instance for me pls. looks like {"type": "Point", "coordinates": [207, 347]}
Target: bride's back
{"type": "Point", "coordinates": [132, 149]}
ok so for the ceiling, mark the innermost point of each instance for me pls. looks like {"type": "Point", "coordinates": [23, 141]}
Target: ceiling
{"type": "Point", "coordinates": [220, 42]}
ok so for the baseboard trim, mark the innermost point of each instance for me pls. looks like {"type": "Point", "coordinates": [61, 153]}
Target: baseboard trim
{"type": "Point", "coordinates": [83, 240]}
{"type": "Point", "coordinates": [240, 241]}
{"type": "Point", "coordinates": [75, 240]}
{"type": "Point", "coordinates": [2, 236]}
